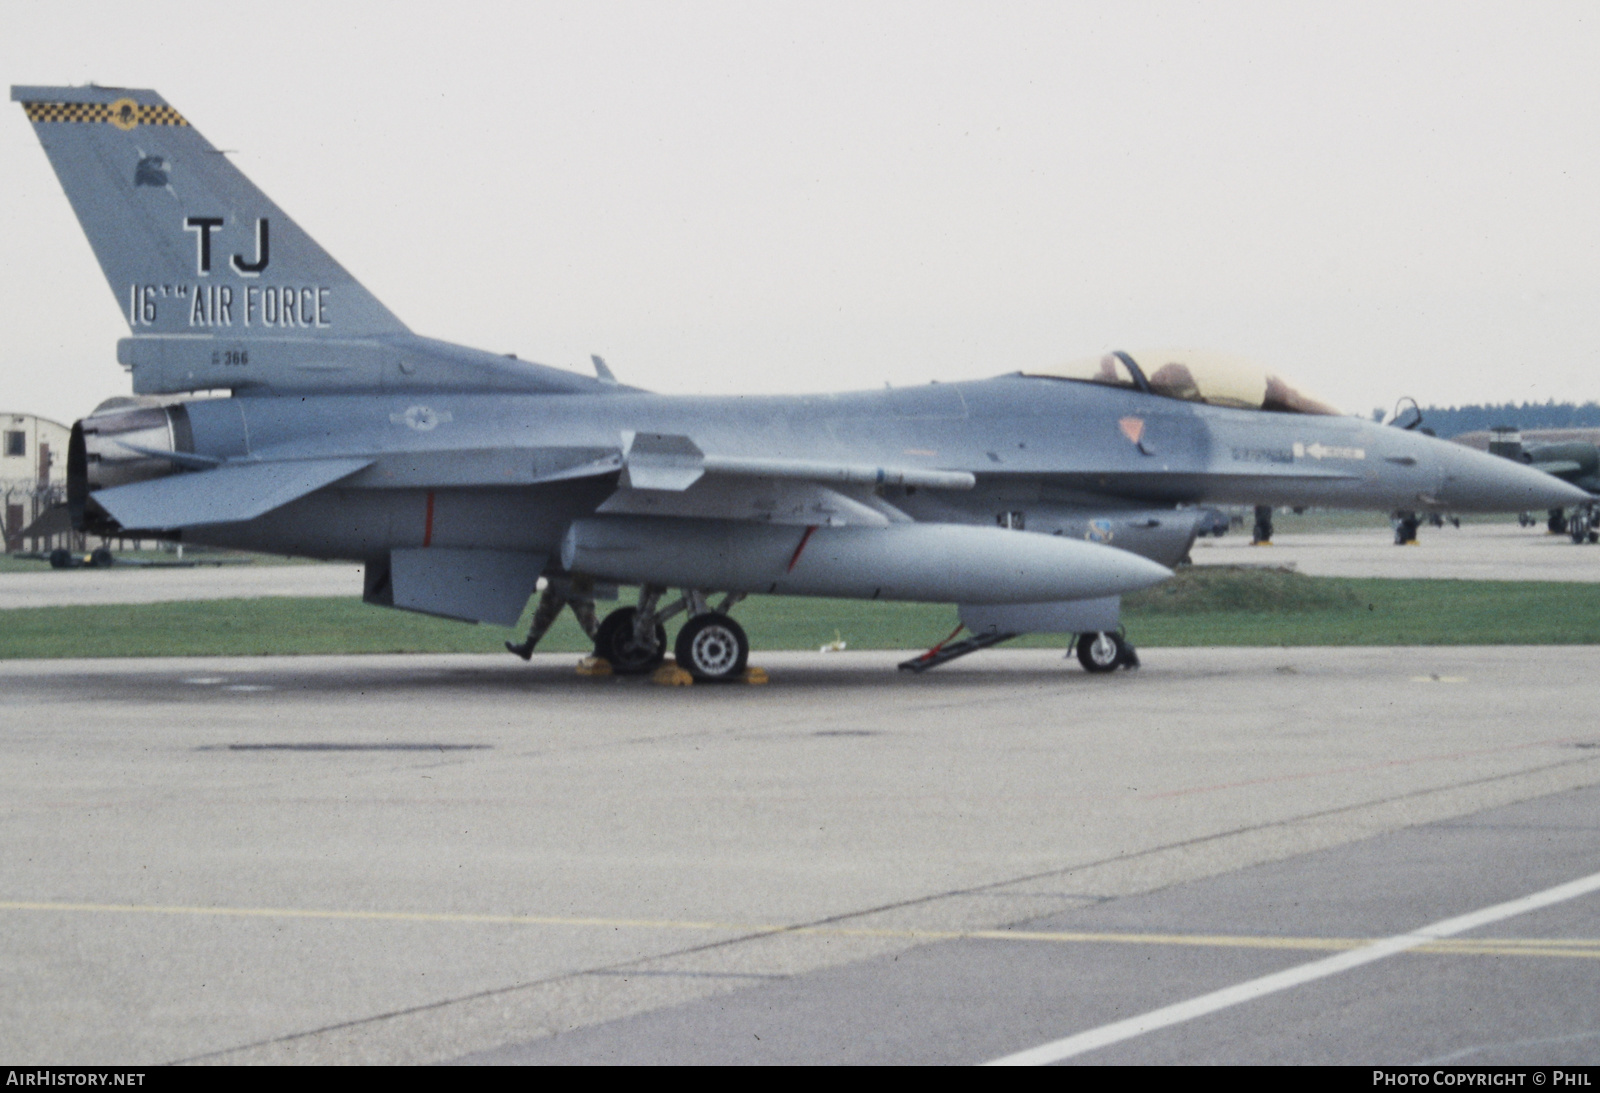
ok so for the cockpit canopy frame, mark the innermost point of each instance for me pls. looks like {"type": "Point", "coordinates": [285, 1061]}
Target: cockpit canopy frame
{"type": "Point", "coordinates": [1188, 375]}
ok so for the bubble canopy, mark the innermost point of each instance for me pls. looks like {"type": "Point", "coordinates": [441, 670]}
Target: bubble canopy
{"type": "Point", "coordinates": [1192, 376]}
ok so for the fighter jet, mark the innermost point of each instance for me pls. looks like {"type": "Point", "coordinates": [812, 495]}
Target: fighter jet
{"type": "Point", "coordinates": [464, 480]}
{"type": "Point", "coordinates": [1573, 461]}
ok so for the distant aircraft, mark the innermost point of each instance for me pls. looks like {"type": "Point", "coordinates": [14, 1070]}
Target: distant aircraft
{"type": "Point", "coordinates": [461, 478]}
{"type": "Point", "coordinates": [1573, 461]}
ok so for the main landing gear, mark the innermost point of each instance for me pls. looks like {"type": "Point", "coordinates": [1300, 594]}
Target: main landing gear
{"type": "Point", "coordinates": [1405, 528]}
{"type": "Point", "coordinates": [629, 648]}
{"type": "Point", "coordinates": [711, 646]}
{"type": "Point", "coordinates": [1261, 534]}
{"type": "Point", "coordinates": [1584, 524]}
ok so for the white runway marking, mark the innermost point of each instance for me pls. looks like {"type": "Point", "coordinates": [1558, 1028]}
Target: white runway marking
{"type": "Point", "coordinates": [1118, 1031]}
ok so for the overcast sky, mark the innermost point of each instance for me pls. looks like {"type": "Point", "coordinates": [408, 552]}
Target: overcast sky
{"type": "Point", "coordinates": [1377, 200]}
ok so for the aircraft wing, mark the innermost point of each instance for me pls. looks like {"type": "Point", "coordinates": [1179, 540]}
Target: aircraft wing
{"type": "Point", "coordinates": [227, 495]}
{"type": "Point", "coordinates": [669, 475]}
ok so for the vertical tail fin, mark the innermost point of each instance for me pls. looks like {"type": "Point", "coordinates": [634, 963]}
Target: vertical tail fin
{"type": "Point", "coordinates": [188, 244]}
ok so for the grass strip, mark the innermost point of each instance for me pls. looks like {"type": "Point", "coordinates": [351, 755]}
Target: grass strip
{"type": "Point", "coordinates": [1201, 606]}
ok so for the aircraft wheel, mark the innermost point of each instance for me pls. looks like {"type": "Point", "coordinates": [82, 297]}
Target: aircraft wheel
{"type": "Point", "coordinates": [60, 559]}
{"type": "Point", "coordinates": [1100, 652]}
{"type": "Point", "coordinates": [613, 642]}
{"type": "Point", "coordinates": [712, 647]}
{"type": "Point", "coordinates": [101, 558]}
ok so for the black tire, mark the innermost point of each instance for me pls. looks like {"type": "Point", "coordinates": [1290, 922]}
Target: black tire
{"type": "Point", "coordinates": [61, 559]}
{"type": "Point", "coordinates": [712, 648]}
{"type": "Point", "coordinates": [1262, 532]}
{"type": "Point", "coordinates": [613, 643]}
{"type": "Point", "coordinates": [101, 558]}
{"type": "Point", "coordinates": [1101, 652]}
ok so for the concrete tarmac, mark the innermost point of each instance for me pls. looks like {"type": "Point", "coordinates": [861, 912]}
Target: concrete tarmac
{"type": "Point", "coordinates": [137, 584]}
{"type": "Point", "coordinates": [418, 859]}
{"type": "Point", "coordinates": [1472, 552]}
{"type": "Point", "coordinates": [1517, 992]}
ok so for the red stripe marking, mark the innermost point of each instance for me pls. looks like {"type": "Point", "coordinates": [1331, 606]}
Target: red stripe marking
{"type": "Point", "coordinates": [794, 559]}
{"type": "Point", "coordinates": [427, 527]}
{"type": "Point", "coordinates": [931, 653]}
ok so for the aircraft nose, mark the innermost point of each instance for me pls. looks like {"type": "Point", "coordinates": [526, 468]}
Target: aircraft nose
{"type": "Point", "coordinates": [1474, 481]}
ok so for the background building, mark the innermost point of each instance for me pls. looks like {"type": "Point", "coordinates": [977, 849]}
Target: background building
{"type": "Point", "coordinates": [33, 475]}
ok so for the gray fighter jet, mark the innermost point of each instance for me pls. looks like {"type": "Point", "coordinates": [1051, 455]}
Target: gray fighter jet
{"type": "Point", "coordinates": [464, 479]}
{"type": "Point", "coordinates": [1573, 461]}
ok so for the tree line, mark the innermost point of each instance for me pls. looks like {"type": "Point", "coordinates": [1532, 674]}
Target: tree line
{"type": "Point", "coordinates": [1454, 420]}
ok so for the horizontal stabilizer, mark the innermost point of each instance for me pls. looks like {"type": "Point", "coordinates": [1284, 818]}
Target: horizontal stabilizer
{"type": "Point", "coordinates": [1559, 466]}
{"type": "Point", "coordinates": [186, 460]}
{"type": "Point", "coordinates": [240, 491]}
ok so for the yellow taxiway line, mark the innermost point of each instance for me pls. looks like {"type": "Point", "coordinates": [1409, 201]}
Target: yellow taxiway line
{"type": "Point", "coordinates": [1588, 948]}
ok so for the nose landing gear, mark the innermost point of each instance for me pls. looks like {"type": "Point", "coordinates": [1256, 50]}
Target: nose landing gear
{"type": "Point", "coordinates": [1105, 652]}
